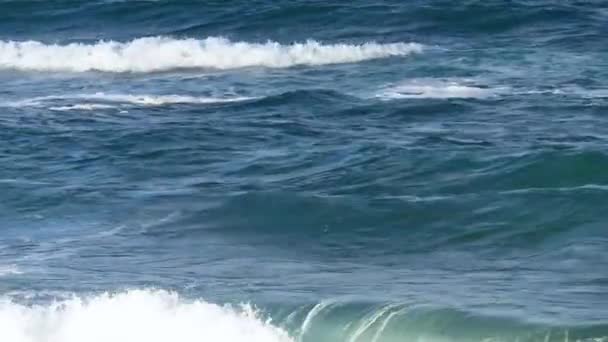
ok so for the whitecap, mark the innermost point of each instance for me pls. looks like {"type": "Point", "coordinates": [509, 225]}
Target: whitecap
{"type": "Point", "coordinates": [136, 315]}
{"type": "Point", "coordinates": [153, 54]}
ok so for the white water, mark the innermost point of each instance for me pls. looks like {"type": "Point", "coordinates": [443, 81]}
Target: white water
{"type": "Point", "coordinates": [162, 53]}
{"type": "Point", "coordinates": [134, 316]}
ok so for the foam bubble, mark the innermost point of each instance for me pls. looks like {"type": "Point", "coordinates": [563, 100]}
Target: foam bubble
{"type": "Point", "coordinates": [163, 53]}
{"type": "Point", "coordinates": [138, 315]}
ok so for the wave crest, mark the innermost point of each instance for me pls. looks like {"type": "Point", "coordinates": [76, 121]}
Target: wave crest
{"type": "Point", "coordinates": [155, 54]}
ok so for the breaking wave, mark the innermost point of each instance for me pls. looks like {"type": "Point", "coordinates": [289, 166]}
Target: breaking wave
{"type": "Point", "coordinates": [162, 316]}
{"type": "Point", "coordinates": [155, 54]}
{"type": "Point", "coordinates": [138, 315]}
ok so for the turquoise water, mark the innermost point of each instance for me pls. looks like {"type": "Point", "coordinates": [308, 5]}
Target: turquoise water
{"type": "Point", "coordinates": [303, 171]}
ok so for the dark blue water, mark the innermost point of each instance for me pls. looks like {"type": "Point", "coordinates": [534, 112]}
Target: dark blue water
{"type": "Point", "coordinates": [303, 171]}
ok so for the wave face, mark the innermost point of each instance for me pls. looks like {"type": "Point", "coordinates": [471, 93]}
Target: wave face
{"type": "Point", "coordinates": [344, 321]}
{"type": "Point", "coordinates": [170, 54]}
{"type": "Point", "coordinates": [139, 315]}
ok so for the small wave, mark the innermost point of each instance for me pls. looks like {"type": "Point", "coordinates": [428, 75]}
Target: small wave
{"type": "Point", "coordinates": [155, 54]}
{"type": "Point", "coordinates": [436, 89]}
{"type": "Point", "coordinates": [137, 315]}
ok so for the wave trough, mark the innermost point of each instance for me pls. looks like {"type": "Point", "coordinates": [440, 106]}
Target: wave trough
{"type": "Point", "coordinates": [154, 54]}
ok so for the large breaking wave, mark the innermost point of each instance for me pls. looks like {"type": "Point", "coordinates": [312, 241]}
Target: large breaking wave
{"type": "Point", "coordinates": [162, 316]}
{"type": "Point", "coordinates": [138, 315]}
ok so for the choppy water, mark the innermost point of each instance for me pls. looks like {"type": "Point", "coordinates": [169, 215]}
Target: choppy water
{"type": "Point", "coordinates": [361, 171]}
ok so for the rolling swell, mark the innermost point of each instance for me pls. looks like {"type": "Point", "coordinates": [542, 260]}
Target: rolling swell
{"type": "Point", "coordinates": [497, 203]}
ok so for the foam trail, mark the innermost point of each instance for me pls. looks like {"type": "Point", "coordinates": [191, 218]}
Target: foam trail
{"type": "Point", "coordinates": [139, 315]}
{"type": "Point", "coordinates": [162, 53]}
{"type": "Point", "coordinates": [159, 100]}
{"type": "Point", "coordinates": [81, 106]}
{"type": "Point", "coordinates": [109, 100]}
{"type": "Point", "coordinates": [435, 88]}
{"type": "Point", "coordinates": [369, 322]}
{"type": "Point", "coordinates": [385, 323]}
{"type": "Point", "coordinates": [311, 315]}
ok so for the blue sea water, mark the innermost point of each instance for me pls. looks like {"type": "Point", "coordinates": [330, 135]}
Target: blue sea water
{"type": "Point", "coordinates": [303, 171]}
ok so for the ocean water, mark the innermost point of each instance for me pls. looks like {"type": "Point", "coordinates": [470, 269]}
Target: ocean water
{"type": "Point", "coordinates": [303, 171]}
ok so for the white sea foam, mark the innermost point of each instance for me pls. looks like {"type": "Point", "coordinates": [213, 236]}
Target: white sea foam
{"type": "Point", "coordinates": [435, 88]}
{"type": "Point", "coordinates": [9, 270]}
{"type": "Point", "coordinates": [139, 315]}
{"type": "Point", "coordinates": [162, 53]}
